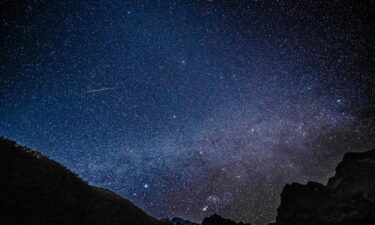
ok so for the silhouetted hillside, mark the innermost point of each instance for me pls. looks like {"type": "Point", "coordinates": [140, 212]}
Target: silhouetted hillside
{"type": "Point", "coordinates": [179, 221]}
{"type": "Point", "coordinates": [211, 220]}
{"type": "Point", "coordinates": [37, 190]}
{"type": "Point", "coordinates": [218, 220]}
{"type": "Point", "coordinates": [347, 199]}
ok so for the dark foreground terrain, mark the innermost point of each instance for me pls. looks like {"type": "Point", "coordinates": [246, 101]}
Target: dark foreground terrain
{"type": "Point", "coordinates": [211, 220]}
{"type": "Point", "coordinates": [347, 199]}
{"type": "Point", "coordinates": [37, 190]}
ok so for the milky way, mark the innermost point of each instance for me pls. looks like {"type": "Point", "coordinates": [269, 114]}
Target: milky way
{"type": "Point", "coordinates": [190, 108]}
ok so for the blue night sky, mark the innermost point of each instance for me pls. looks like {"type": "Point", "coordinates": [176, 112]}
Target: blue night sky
{"type": "Point", "coordinates": [190, 108]}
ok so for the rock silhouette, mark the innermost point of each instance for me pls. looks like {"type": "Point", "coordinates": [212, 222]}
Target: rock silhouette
{"type": "Point", "coordinates": [218, 220]}
{"type": "Point", "coordinates": [37, 190]}
{"type": "Point", "coordinates": [211, 220]}
{"type": "Point", "coordinates": [348, 198]}
{"type": "Point", "coordinates": [179, 221]}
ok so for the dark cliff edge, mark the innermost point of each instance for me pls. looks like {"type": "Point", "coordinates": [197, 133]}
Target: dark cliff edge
{"type": "Point", "coordinates": [37, 190]}
{"type": "Point", "coordinates": [347, 199]}
{"type": "Point", "coordinates": [211, 220]}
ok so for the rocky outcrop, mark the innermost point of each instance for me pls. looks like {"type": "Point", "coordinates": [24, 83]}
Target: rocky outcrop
{"type": "Point", "coordinates": [347, 199]}
{"type": "Point", "coordinates": [218, 220]}
{"type": "Point", "coordinates": [35, 190]}
{"type": "Point", "coordinates": [211, 220]}
{"type": "Point", "coordinates": [179, 221]}
{"type": "Point", "coordinates": [355, 174]}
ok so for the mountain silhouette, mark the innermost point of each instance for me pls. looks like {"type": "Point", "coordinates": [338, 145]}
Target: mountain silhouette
{"type": "Point", "coordinates": [347, 199]}
{"type": "Point", "coordinates": [211, 220]}
{"type": "Point", "coordinates": [35, 190]}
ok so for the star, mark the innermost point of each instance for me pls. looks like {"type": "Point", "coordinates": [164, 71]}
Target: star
{"type": "Point", "coordinates": [205, 105]}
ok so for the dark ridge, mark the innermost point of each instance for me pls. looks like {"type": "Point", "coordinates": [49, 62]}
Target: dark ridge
{"type": "Point", "coordinates": [218, 220]}
{"type": "Point", "coordinates": [347, 199]}
{"type": "Point", "coordinates": [179, 221]}
{"type": "Point", "coordinates": [211, 220]}
{"type": "Point", "coordinates": [37, 190]}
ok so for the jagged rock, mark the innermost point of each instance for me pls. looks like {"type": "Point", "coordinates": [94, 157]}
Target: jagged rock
{"type": "Point", "coordinates": [211, 220]}
{"type": "Point", "coordinates": [218, 220]}
{"type": "Point", "coordinates": [355, 174]}
{"type": "Point", "coordinates": [347, 199]}
{"type": "Point", "coordinates": [179, 221]}
{"type": "Point", "coordinates": [35, 190]}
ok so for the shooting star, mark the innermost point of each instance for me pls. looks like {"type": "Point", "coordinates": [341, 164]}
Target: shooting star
{"type": "Point", "coordinates": [101, 89]}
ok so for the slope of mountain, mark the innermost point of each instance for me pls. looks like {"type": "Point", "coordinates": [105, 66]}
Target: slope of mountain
{"type": "Point", "coordinates": [37, 190]}
{"type": "Point", "coordinates": [211, 220]}
{"type": "Point", "coordinates": [179, 221]}
{"type": "Point", "coordinates": [218, 220]}
{"type": "Point", "coordinates": [347, 199]}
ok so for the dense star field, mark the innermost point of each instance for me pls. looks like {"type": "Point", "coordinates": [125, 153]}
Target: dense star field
{"type": "Point", "coordinates": [190, 108]}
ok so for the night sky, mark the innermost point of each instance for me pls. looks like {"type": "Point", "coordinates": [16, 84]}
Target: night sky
{"type": "Point", "coordinates": [190, 108]}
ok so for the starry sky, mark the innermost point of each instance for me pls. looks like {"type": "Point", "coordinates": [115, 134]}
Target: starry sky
{"type": "Point", "coordinates": [190, 107]}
